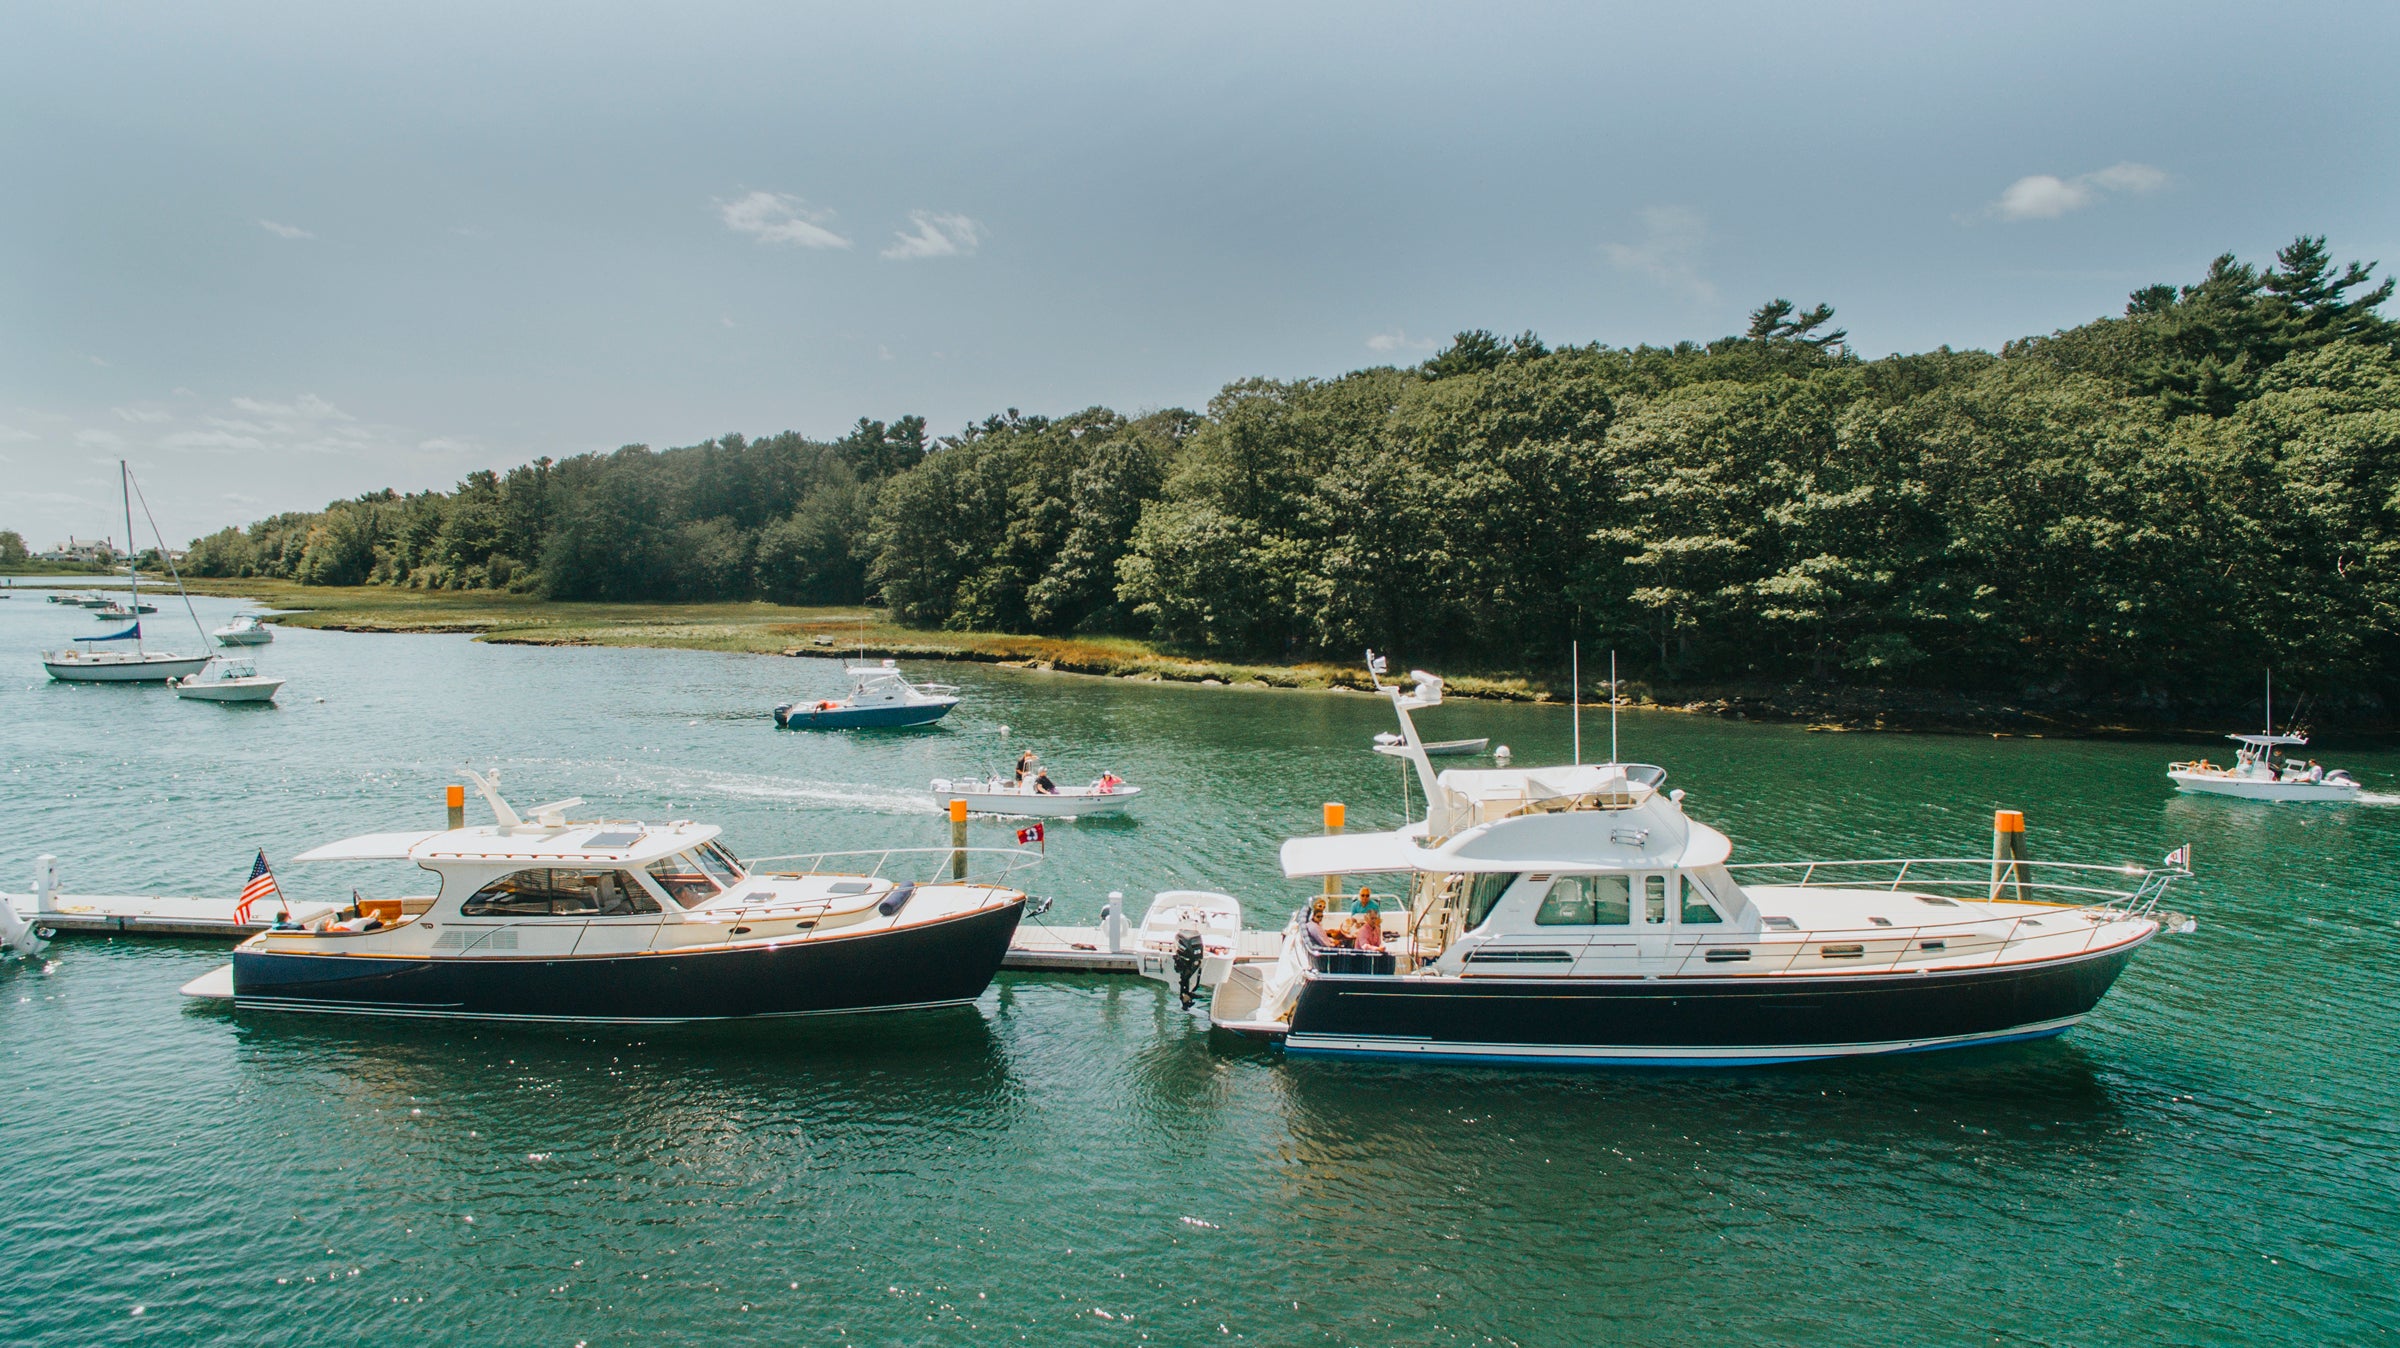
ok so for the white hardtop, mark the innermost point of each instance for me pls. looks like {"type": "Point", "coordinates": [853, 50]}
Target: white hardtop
{"type": "Point", "coordinates": [581, 843]}
{"type": "Point", "coordinates": [2268, 741]}
{"type": "Point", "coordinates": [1652, 835]}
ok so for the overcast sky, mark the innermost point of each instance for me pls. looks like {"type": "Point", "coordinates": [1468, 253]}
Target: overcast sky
{"type": "Point", "coordinates": [277, 254]}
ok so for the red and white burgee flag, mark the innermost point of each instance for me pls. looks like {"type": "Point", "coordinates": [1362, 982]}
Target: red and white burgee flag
{"type": "Point", "coordinates": [2181, 857]}
{"type": "Point", "coordinates": [262, 884]}
{"type": "Point", "coordinates": [1032, 833]}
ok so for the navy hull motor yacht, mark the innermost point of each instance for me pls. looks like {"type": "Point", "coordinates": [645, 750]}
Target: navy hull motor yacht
{"type": "Point", "coordinates": [543, 919]}
{"type": "Point", "coordinates": [1577, 915]}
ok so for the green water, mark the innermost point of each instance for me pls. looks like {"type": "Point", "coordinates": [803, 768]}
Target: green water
{"type": "Point", "coordinates": [2210, 1160]}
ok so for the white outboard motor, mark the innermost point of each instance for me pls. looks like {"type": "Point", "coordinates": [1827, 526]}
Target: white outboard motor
{"type": "Point", "coordinates": [17, 931]}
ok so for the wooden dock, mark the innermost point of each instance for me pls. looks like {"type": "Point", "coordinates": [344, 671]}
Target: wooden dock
{"type": "Point", "coordinates": [151, 915]}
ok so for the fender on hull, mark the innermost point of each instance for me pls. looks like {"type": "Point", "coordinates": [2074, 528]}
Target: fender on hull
{"type": "Point", "coordinates": [940, 963]}
{"type": "Point", "coordinates": [1722, 1022]}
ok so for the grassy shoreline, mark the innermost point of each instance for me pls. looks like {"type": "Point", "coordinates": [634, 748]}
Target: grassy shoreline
{"type": "Point", "coordinates": [760, 628]}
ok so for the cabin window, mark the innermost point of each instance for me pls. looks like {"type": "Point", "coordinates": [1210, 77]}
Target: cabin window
{"type": "Point", "coordinates": [1484, 890]}
{"type": "Point", "coordinates": [1587, 901]}
{"type": "Point", "coordinates": [560, 891]}
{"type": "Point", "coordinates": [1697, 910]}
{"type": "Point", "coordinates": [684, 880]}
{"type": "Point", "coordinates": [1654, 900]}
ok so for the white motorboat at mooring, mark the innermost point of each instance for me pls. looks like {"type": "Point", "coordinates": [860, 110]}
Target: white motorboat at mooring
{"type": "Point", "coordinates": [246, 629]}
{"type": "Point", "coordinates": [546, 919]}
{"type": "Point", "coordinates": [2260, 771]}
{"type": "Point", "coordinates": [879, 698]}
{"type": "Point", "coordinates": [1576, 915]}
{"type": "Point", "coordinates": [228, 681]}
{"type": "Point", "coordinates": [1108, 794]}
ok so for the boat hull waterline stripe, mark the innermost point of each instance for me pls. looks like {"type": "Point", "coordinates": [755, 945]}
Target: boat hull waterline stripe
{"type": "Point", "coordinates": [1620, 1056]}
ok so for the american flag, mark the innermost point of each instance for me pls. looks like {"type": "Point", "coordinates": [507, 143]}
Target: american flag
{"type": "Point", "coordinates": [262, 883]}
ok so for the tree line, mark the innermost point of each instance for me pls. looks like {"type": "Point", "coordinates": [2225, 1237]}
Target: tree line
{"type": "Point", "coordinates": [2172, 497]}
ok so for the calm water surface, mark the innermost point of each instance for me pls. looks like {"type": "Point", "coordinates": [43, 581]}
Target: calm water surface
{"type": "Point", "coordinates": [2210, 1160]}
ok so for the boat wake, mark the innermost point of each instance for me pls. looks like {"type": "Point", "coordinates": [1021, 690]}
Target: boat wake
{"type": "Point", "coordinates": [2378, 798]}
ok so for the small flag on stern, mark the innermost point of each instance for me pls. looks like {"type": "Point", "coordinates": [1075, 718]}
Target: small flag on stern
{"type": "Point", "coordinates": [262, 884]}
{"type": "Point", "coordinates": [2181, 858]}
{"type": "Point", "coordinates": [1030, 834]}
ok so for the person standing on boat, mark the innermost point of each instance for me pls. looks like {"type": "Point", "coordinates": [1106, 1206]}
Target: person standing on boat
{"type": "Point", "coordinates": [1025, 764]}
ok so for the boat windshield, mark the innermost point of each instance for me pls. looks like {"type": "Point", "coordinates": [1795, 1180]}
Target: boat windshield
{"type": "Point", "coordinates": [686, 881]}
{"type": "Point", "coordinates": [722, 866]}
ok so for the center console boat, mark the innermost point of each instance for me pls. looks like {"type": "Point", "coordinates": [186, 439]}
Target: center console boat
{"type": "Point", "coordinates": [1577, 915]}
{"type": "Point", "coordinates": [544, 919]}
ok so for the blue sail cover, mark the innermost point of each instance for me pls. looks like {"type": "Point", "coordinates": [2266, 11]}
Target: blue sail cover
{"type": "Point", "coordinates": [133, 633]}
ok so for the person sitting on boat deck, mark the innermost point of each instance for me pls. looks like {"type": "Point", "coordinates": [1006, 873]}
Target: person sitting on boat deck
{"type": "Point", "coordinates": [2316, 771]}
{"type": "Point", "coordinates": [1108, 783]}
{"type": "Point", "coordinates": [1369, 933]}
{"type": "Point", "coordinates": [1319, 934]}
{"type": "Point", "coordinates": [1042, 785]}
{"type": "Point", "coordinates": [283, 922]}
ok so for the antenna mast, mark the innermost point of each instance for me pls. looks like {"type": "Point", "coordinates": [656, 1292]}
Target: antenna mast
{"type": "Point", "coordinates": [1575, 692]}
{"type": "Point", "coordinates": [1612, 706]}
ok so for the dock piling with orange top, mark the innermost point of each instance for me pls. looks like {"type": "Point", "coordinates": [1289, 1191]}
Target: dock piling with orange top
{"type": "Point", "coordinates": [456, 798]}
{"type": "Point", "coordinates": [1335, 814]}
{"type": "Point", "coordinates": [2008, 852]}
{"type": "Point", "coordinates": [958, 840]}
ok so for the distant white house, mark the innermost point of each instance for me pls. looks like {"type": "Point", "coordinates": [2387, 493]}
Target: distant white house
{"type": "Point", "coordinates": [80, 550]}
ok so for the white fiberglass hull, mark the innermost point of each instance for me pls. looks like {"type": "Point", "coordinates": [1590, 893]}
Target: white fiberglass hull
{"type": "Point", "coordinates": [256, 636]}
{"type": "Point", "coordinates": [1069, 803]}
{"type": "Point", "coordinates": [230, 690]}
{"type": "Point", "coordinates": [123, 668]}
{"type": "Point", "coordinates": [2261, 788]}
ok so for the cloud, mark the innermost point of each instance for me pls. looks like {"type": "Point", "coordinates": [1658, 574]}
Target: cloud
{"type": "Point", "coordinates": [2044, 196]}
{"type": "Point", "coordinates": [447, 444]}
{"type": "Point", "coordinates": [306, 424]}
{"type": "Point", "coordinates": [1399, 340]}
{"type": "Point", "coordinates": [142, 415]}
{"type": "Point", "coordinates": [282, 231]}
{"type": "Point", "coordinates": [773, 217]}
{"type": "Point", "coordinates": [1669, 252]}
{"type": "Point", "coordinates": [938, 235]}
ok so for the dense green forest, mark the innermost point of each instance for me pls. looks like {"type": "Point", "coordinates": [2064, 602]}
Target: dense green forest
{"type": "Point", "coordinates": [2167, 499]}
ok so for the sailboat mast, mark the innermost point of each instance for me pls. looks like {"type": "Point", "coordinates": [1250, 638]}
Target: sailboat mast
{"type": "Point", "coordinates": [2270, 702]}
{"type": "Point", "coordinates": [132, 566]}
{"type": "Point", "coordinates": [1575, 694]}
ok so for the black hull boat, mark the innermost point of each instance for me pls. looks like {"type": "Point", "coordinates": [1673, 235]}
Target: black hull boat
{"type": "Point", "coordinates": [628, 922]}
{"type": "Point", "coordinates": [1701, 1022]}
{"type": "Point", "coordinates": [1576, 915]}
{"type": "Point", "coordinates": [941, 964]}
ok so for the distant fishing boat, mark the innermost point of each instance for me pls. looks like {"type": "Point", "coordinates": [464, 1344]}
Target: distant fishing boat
{"type": "Point", "coordinates": [1110, 794]}
{"type": "Point", "coordinates": [880, 698]}
{"type": "Point", "coordinates": [2259, 772]}
{"type": "Point", "coordinates": [246, 629]}
{"type": "Point", "coordinates": [228, 681]}
{"type": "Point", "coordinates": [1389, 743]}
{"type": "Point", "coordinates": [112, 611]}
